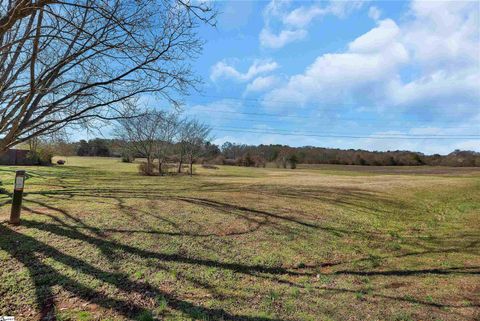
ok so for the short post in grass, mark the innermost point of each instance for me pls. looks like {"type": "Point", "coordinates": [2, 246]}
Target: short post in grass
{"type": "Point", "coordinates": [17, 197]}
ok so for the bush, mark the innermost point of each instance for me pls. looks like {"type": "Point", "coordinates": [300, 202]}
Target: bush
{"type": "Point", "coordinates": [259, 161]}
{"type": "Point", "coordinates": [168, 168]}
{"type": "Point", "coordinates": [60, 162]}
{"type": "Point", "coordinates": [42, 156]}
{"type": "Point", "coordinates": [252, 161]}
{"type": "Point", "coordinates": [33, 158]}
{"type": "Point", "coordinates": [293, 160]}
{"type": "Point", "coordinates": [209, 166]}
{"type": "Point", "coordinates": [229, 161]}
{"type": "Point", "coordinates": [146, 169]}
{"type": "Point", "coordinates": [45, 154]}
{"type": "Point", "coordinates": [127, 157]}
{"type": "Point", "coordinates": [219, 160]}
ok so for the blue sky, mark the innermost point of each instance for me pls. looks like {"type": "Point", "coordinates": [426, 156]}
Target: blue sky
{"type": "Point", "coordinates": [345, 74]}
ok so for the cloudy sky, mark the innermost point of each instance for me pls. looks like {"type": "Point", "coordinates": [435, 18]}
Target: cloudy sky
{"type": "Point", "coordinates": [350, 74]}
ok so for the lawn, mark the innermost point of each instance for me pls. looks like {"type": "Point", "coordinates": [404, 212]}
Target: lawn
{"type": "Point", "coordinates": [100, 242]}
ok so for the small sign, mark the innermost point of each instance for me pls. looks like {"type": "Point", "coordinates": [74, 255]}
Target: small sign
{"type": "Point", "coordinates": [7, 318]}
{"type": "Point", "coordinates": [19, 182]}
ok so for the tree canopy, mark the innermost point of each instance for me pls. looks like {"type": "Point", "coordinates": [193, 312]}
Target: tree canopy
{"type": "Point", "coordinates": [72, 61]}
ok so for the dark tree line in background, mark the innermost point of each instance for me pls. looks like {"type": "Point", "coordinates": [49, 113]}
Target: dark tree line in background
{"type": "Point", "coordinates": [277, 155]}
{"type": "Point", "coordinates": [285, 156]}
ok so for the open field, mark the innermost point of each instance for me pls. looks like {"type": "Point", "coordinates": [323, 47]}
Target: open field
{"type": "Point", "coordinates": [99, 242]}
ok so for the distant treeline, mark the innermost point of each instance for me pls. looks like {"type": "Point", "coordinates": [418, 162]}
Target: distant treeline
{"type": "Point", "coordinates": [285, 156]}
{"type": "Point", "coordinates": [290, 156]}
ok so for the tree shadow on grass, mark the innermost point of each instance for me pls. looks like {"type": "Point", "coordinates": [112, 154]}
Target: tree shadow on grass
{"type": "Point", "coordinates": [408, 299]}
{"type": "Point", "coordinates": [258, 217]}
{"type": "Point", "coordinates": [27, 250]}
{"type": "Point", "coordinates": [255, 217]}
{"type": "Point", "coordinates": [147, 229]}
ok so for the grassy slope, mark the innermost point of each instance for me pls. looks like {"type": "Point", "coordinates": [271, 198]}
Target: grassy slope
{"type": "Point", "coordinates": [329, 243]}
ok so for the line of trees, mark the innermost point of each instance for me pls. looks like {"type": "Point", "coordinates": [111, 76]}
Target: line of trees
{"type": "Point", "coordinates": [170, 150]}
{"type": "Point", "coordinates": [286, 156]}
{"type": "Point", "coordinates": [162, 136]}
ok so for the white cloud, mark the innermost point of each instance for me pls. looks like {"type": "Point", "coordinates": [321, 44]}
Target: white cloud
{"type": "Point", "coordinates": [293, 23]}
{"type": "Point", "coordinates": [377, 39]}
{"type": "Point", "coordinates": [275, 11]}
{"type": "Point", "coordinates": [302, 16]}
{"type": "Point", "coordinates": [428, 61]}
{"type": "Point", "coordinates": [207, 111]}
{"type": "Point", "coordinates": [343, 8]}
{"type": "Point", "coordinates": [444, 34]}
{"type": "Point", "coordinates": [262, 83]}
{"type": "Point", "coordinates": [444, 39]}
{"type": "Point", "coordinates": [271, 40]}
{"type": "Point", "coordinates": [431, 59]}
{"type": "Point", "coordinates": [438, 89]}
{"type": "Point", "coordinates": [374, 13]}
{"type": "Point", "coordinates": [371, 59]}
{"type": "Point", "coordinates": [222, 70]}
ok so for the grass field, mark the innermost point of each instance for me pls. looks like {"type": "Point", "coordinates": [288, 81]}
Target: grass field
{"type": "Point", "coordinates": [100, 242]}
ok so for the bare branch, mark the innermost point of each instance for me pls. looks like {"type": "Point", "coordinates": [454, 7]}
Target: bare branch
{"type": "Point", "coordinates": [66, 62]}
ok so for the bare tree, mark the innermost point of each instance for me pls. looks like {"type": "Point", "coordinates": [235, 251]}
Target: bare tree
{"type": "Point", "coordinates": [167, 130]}
{"type": "Point", "coordinates": [140, 134]}
{"type": "Point", "coordinates": [51, 140]}
{"type": "Point", "coordinates": [72, 61]}
{"type": "Point", "coordinates": [192, 138]}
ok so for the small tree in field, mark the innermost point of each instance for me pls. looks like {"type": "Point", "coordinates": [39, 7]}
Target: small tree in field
{"type": "Point", "coordinates": [193, 136]}
{"type": "Point", "coordinates": [282, 158]}
{"type": "Point", "coordinates": [293, 160]}
{"type": "Point", "coordinates": [165, 135]}
{"type": "Point", "coordinates": [140, 135]}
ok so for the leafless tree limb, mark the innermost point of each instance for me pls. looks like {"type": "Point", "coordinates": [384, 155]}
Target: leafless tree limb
{"type": "Point", "coordinates": [68, 62]}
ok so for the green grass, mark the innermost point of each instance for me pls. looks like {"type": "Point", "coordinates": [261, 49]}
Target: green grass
{"type": "Point", "coordinates": [100, 242]}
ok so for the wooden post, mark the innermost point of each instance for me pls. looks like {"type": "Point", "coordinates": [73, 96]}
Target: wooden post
{"type": "Point", "coordinates": [17, 197]}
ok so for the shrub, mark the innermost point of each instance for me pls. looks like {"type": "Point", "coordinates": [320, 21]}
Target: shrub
{"type": "Point", "coordinates": [248, 160]}
{"type": "Point", "coordinates": [60, 162]}
{"type": "Point", "coordinates": [219, 160]}
{"type": "Point", "coordinates": [252, 161]}
{"type": "Point", "coordinates": [259, 161]}
{"type": "Point", "coordinates": [293, 160]}
{"type": "Point", "coordinates": [209, 166]}
{"type": "Point", "coordinates": [146, 169]}
{"type": "Point", "coordinates": [33, 158]}
{"type": "Point", "coordinates": [42, 156]}
{"type": "Point", "coordinates": [45, 154]}
{"type": "Point", "coordinates": [229, 161]}
{"type": "Point", "coordinates": [127, 157]}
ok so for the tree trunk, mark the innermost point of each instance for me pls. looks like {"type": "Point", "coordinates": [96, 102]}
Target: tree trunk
{"type": "Point", "coordinates": [191, 168]}
{"type": "Point", "coordinates": [159, 167]}
{"type": "Point", "coordinates": [180, 166]}
{"type": "Point", "coordinates": [149, 165]}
